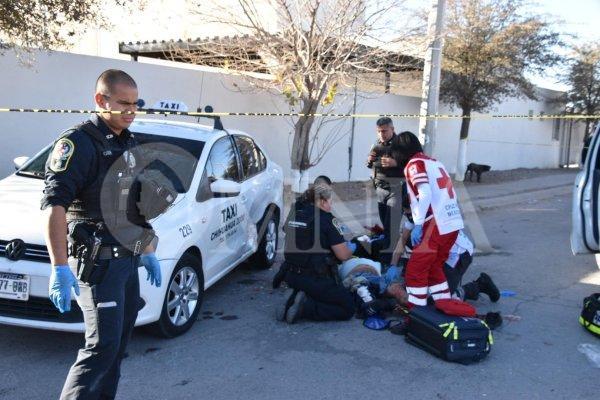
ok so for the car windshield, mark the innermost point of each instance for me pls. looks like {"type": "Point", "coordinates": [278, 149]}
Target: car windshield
{"type": "Point", "coordinates": [35, 166]}
{"type": "Point", "coordinates": [177, 161]}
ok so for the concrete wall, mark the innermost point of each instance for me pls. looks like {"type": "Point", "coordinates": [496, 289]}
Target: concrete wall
{"type": "Point", "coordinates": [62, 80]}
{"type": "Point", "coordinates": [503, 143]}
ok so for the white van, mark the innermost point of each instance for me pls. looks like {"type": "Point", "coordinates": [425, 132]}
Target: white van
{"type": "Point", "coordinates": [585, 214]}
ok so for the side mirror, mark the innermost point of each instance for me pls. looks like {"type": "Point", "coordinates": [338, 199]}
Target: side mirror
{"type": "Point", "coordinates": [20, 161]}
{"type": "Point", "coordinates": [225, 188]}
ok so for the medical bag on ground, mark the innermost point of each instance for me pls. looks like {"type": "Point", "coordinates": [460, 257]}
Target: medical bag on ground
{"type": "Point", "coordinates": [457, 339]}
{"type": "Point", "coordinates": [590, 315]}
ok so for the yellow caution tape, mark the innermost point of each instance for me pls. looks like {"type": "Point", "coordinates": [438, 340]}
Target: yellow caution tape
{"type": "Point", "coordinates": [315, 115]}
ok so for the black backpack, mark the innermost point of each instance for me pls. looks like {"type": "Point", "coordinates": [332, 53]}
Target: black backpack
{"type": "Point", "coordinates": [590, 315]}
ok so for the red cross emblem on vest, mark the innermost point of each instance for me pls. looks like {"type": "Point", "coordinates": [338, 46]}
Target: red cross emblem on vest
{"type": "Point", "coordinates": [445, 183]}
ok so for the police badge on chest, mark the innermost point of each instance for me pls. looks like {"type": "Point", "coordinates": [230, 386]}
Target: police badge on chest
{"type": "Point", "coordinates": [129, 159]}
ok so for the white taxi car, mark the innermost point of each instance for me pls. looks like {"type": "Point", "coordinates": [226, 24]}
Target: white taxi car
{"type": "Point", "coordinates": [585, 214]}
{"type": "Point", "coordinates": [227, 211]}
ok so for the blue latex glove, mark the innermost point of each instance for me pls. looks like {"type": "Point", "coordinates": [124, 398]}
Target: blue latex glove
{"type": "Point", "coordinates": [416, 235]}
{"type": "Point", "coordinates": [351, 246]}
{"type": "Point", "coordinates": [150, 262]}
{"type": "Point", "coordinates": [59, 287]}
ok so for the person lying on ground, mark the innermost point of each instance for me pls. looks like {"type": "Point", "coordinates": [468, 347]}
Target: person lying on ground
{"type": "Point", "coordinates": [363, 277]}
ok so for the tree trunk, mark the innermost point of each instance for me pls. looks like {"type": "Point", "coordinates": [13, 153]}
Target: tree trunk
{"type": "Point", "coordinates": [461, 159]}
{"type": "Point", "coordinates": [466, 123]}
{"type": "Point", "coordinates": [587, 129]}
{"type": "Point", "coordinates": [300, 157]}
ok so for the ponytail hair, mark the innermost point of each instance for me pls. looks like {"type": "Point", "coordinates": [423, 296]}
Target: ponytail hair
{"type": "Point", "coordinates": [315, 193]}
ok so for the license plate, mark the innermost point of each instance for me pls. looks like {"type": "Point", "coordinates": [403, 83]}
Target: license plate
{"type": "Point", "coordinates": [14, 286]}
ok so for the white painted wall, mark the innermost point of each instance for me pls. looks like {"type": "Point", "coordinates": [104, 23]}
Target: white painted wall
{"type": "Point", "coordinates": [63, 80]}
{"type": "Point", "coordinates": [503, 143]}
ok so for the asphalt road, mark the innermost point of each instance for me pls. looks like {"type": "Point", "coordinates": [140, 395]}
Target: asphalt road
{"type": "Point", "coordinates": [245, 353]}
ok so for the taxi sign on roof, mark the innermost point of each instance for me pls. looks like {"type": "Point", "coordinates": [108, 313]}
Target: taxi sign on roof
{"type": "Point", "coordinates": [170, 105]}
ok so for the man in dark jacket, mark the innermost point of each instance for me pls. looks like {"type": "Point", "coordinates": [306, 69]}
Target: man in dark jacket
{"type": "Point", "coordinates": [385, 159]}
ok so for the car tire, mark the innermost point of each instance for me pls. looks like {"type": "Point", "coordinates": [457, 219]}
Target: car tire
{"type": "Point", "coordinates": [185, 292]}
{"type": "Point", "coordinates": [268, 234]}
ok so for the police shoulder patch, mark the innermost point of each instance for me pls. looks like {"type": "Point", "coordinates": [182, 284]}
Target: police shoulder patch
{"type": "Point", "coordinates": [61, 155]}
{"type": "Point", "coordinates": [338, 225]}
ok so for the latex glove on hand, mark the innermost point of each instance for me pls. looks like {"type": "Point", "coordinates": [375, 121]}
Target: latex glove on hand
{"type": "Point", "coordinates": [59, 287]}
{"type": "Point", "coordinates": [416, 235]}
{"type": "Point", "coordinates": [150, 262]}
{"type": "Point", "coordinates": [352, 246]}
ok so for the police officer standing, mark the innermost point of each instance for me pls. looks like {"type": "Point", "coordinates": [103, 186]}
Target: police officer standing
{"type": "Point", "coordinates": [313, 244]}
{"type": "Point", "coordinates": [90, 206]}
{"type": "Point", "coordinates": [385, 159]}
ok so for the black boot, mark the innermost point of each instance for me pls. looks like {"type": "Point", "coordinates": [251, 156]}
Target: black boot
{"type": "Point", "coordinates": [493, 320]}
{"type": "Point", "coordinates": [281, 311]}
{"type": "Point", "coordinates": [470, 291]}
{"type": "Point", "coordinates": [374, 307]}
{"type": "Point", "coordinates": [294, 312]}
{"type": "Point", "coordinates": [487, 286]}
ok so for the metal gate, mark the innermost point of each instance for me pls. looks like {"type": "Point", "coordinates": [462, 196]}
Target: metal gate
{"type": "Point", "coordinates": [570, 133]}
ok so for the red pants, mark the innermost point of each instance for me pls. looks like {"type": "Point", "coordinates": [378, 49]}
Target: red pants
{"type": "Point", "coordinates": [424, 271]}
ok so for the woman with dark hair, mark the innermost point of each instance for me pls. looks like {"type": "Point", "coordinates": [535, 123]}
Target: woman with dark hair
{"type": "Point", "coordinates": [437, 221]}
{"type": "Point", "coordinates": [313, 245]}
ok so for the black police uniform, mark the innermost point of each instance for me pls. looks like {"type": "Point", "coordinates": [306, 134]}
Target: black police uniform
{"type": "Point", "coordinates": [75, 172]}
{"type": "Point", "coordinates": [310, 233]}
{"type": "Point", "coordinates": [388, 183]}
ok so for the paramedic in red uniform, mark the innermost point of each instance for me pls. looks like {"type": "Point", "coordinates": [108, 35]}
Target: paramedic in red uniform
{"type": "Point", "coordinates": [437, 220]}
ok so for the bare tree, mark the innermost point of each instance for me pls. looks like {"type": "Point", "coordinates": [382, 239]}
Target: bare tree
{"type": "Point", "coordinates": [489, 47]}
{"type": "Point", "coordinates": [48, 24]}
{"type": "Point", "coordinates": [584, 80]}
{"type": "Point", "coordinates": [311, 49]}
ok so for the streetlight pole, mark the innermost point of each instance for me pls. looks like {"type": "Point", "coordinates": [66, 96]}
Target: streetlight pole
{"type": "Point", "coordinates": [351, 146]}
{"type": "Point", "coordinates": [431, 76]}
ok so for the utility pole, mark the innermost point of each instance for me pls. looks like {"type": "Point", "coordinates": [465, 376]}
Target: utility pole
{"type": "Point", "coordinates": [351, 146]}
{"type": "Point", "coordinates": [431, 75]}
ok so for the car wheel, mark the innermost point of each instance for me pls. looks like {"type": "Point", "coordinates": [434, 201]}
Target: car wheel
{"type": "Point", "coordinates": [183, 298]}
{"type": "Point", "coordinates": [268, 226]}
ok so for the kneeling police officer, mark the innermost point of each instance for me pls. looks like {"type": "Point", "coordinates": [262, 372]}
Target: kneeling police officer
{"type": "Point", "coordinates": [313, 246]}
{"type": "Point", "coordinates": [98, 235]}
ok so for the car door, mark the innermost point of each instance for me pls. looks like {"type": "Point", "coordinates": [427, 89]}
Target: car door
{"type": "Point", "coordinates": [585, 211]}
{"type": "Point", "coordinates": [224, 218]}
{"type": "Point", "coordinates": [255, 180]}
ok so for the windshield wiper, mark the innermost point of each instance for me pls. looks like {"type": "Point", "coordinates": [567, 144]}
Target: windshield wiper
{"type": "Point", "coordinates": [35, 174]}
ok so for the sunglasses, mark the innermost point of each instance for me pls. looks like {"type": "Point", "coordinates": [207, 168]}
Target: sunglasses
{"type": "Point", "coordinates": [136, 104]}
